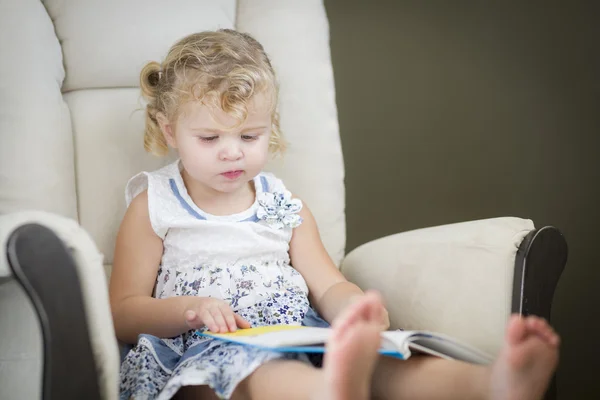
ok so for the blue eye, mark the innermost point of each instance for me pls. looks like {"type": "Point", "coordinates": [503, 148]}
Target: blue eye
{"type": "Point", "coordinates": [208, 139]}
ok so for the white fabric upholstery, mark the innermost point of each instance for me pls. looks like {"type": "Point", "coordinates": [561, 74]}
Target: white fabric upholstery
{"type": "Point", "coordinates": [36, 144]}
{"type": "Point", "coordinates": [108, 151]}
{"type": "Point", "coordinates": [102, 92]}
{"type": "Point", "coordinates": [20, 358]}
{"type": "Point", "coordinates": [70, 137]}
{"type": "Point", "coordinates": [106, 43]}
{"type": "Point", "coordinates": [455, 278]}
{"type": "Point", "coordinates": [102, 97]}
{"type": "Point", "coordinates": [20, 344]}
{"type": "Point", "coordinates": [69, 142]}
{"type": "Point", "coordinates": [313, 167]}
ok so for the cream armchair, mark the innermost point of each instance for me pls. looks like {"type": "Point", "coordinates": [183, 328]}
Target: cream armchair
{"type": "Point", "coordinates": [70, 137]}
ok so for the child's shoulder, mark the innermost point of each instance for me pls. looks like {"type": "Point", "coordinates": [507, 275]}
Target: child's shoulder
{"type": "Point", "coordinates": [139, 203]}
{"type": "Point", "coordinates": [270, 182]}
{"type": "Point", "coordinates": [142, 180]}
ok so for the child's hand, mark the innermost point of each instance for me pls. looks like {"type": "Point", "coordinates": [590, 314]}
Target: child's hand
{"type": "Point", "coordinates": [385, 320]}
{"type": "Point", "coordinates": [215, 314]}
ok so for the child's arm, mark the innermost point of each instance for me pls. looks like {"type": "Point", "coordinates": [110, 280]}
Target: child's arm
{"type": "Point", "coordinates": [137, 257]}
{"type": "Point", "coordinates": [329, 290]}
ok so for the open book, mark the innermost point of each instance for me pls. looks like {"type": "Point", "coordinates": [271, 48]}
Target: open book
{"type": "Point", "coordinates": [399, 344]}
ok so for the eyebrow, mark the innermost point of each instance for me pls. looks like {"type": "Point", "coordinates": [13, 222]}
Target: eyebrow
{"type": "Point", "coordinates": [217, 131]}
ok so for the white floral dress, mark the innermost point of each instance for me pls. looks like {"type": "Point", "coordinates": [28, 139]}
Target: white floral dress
{"type": "Point", "coordinates": [241, 258]}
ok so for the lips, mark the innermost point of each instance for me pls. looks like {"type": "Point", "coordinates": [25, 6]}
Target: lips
{"type": "Point", "coordinates": [232, 174]}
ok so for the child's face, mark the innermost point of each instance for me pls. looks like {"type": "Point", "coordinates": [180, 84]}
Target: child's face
{"type": "Point", "coordinates": [222, 159]}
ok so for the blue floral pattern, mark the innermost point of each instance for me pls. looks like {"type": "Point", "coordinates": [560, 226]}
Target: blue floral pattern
{"type": "Point", "coordinates": [157, 368]}
{"type": "Point", "coordinates": [241, 285]}
{"type": "Point", "coordinates": [242, 259]}
{"type": "Point", "coordinates": [142, 376]}
{"type": "Point", "coordinates": [279, 210]}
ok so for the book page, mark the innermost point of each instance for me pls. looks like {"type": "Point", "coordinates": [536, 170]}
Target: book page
{"type": "Point", "coordinates": [449, 347]}
{"type": "Point", "coordinates": [277, 335]}
{"type": "Point", "coordinates": [394, 343]}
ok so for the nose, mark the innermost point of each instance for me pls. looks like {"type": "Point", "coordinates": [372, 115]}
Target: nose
{"type": "Point", "coordinates": [230, 151]}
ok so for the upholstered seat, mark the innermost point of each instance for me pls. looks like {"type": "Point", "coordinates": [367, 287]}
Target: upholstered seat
{"type": "Point", "coordinates": [71, 136]}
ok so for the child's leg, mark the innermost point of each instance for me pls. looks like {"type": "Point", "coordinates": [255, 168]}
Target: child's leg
{"type": "Point", "coordinates": [348, 364]}
{"type": "Point", "coordinates": [281, 379]}
{"type": "Point", "coordinates": [278, 379]}
{"type": "Point", "coordinates": [522, 370]}
{"type": "Point", "coordinates": [203, 392]}
{"type": "Point", "coordinates": [424, 377]}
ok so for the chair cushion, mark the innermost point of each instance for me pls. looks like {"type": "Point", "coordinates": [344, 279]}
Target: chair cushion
{"type": "Point", "coordinates": [108, 151]}
{"type": "Point", "coordinates": [76, 155]}
{"type": "Point", "coordinates": [105, 45]}
{"type": "Point", "coordinates": [36, 143]}
{"type": "Point", "coordinates": [295, 34]}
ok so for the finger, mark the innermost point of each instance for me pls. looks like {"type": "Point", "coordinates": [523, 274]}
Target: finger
{"type": "Point", "coordinates": [241, 322]}
{"type": "Point", "coordinates": [209, 322]}
{"type": "Point", "coordinates": [217, 314]}
{"type": "Point", "coordinates": [230, 321]}
{"type": "Point", "coordinates": [227, 314]}
{"type": "Point", "coordinates": [379, 313]}
{"type": "Point", "coordinates": [386, 320]}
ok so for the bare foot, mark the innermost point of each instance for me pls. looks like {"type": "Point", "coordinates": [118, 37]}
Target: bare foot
{"type": "Point", "coordinates": [527, 361]}
{"type": "Point", "coordinates": [352, 350]}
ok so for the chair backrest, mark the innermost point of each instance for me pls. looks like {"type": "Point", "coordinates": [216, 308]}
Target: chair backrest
{"type": "Point", "coordinates": [70, 135]}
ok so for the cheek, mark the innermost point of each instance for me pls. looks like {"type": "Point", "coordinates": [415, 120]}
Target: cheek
{"type": "Point", "coordinates": [263, 146]}
{"type": "Point", "coordinates": [260, 153]}
{"type": "Point", "coordinates": [195, 156]}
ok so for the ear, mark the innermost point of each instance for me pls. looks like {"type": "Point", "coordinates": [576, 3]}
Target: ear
{"type": "Point", "coordinates": [167, 129]}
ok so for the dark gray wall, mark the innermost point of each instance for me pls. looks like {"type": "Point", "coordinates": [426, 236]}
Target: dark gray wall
{"type": "Point", "coordinates": [453, 110]}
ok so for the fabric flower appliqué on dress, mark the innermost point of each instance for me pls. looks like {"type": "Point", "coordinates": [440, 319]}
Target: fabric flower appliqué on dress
{"type": "Point", "coordinates": [279, 210]}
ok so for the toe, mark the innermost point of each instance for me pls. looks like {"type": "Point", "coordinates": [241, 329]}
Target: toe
{"type": "Point", "coordinates": [540, 327]}
{"type": "Point", "coordinates": [516, 329]}
{"type": "Point", "coordinates": [374, 307]}
{"type": "Point", "coordinates": [361, 310]}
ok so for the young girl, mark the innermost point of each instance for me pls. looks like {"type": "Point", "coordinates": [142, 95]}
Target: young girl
{"type": "Point", "coordinates": [211, 242]}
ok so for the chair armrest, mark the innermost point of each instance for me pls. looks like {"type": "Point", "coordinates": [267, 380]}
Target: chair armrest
{"type": "Point", "coordinates": [456, 279]}
{"type": "Point", "coordinates": [58, 266]}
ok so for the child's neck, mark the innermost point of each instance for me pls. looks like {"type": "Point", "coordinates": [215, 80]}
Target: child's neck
{"type": "Point", "coordinates": [219, 203]}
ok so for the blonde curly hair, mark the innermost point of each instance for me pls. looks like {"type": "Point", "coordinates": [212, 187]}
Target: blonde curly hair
{"type": "Point", "coordinates": [222, 69]}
